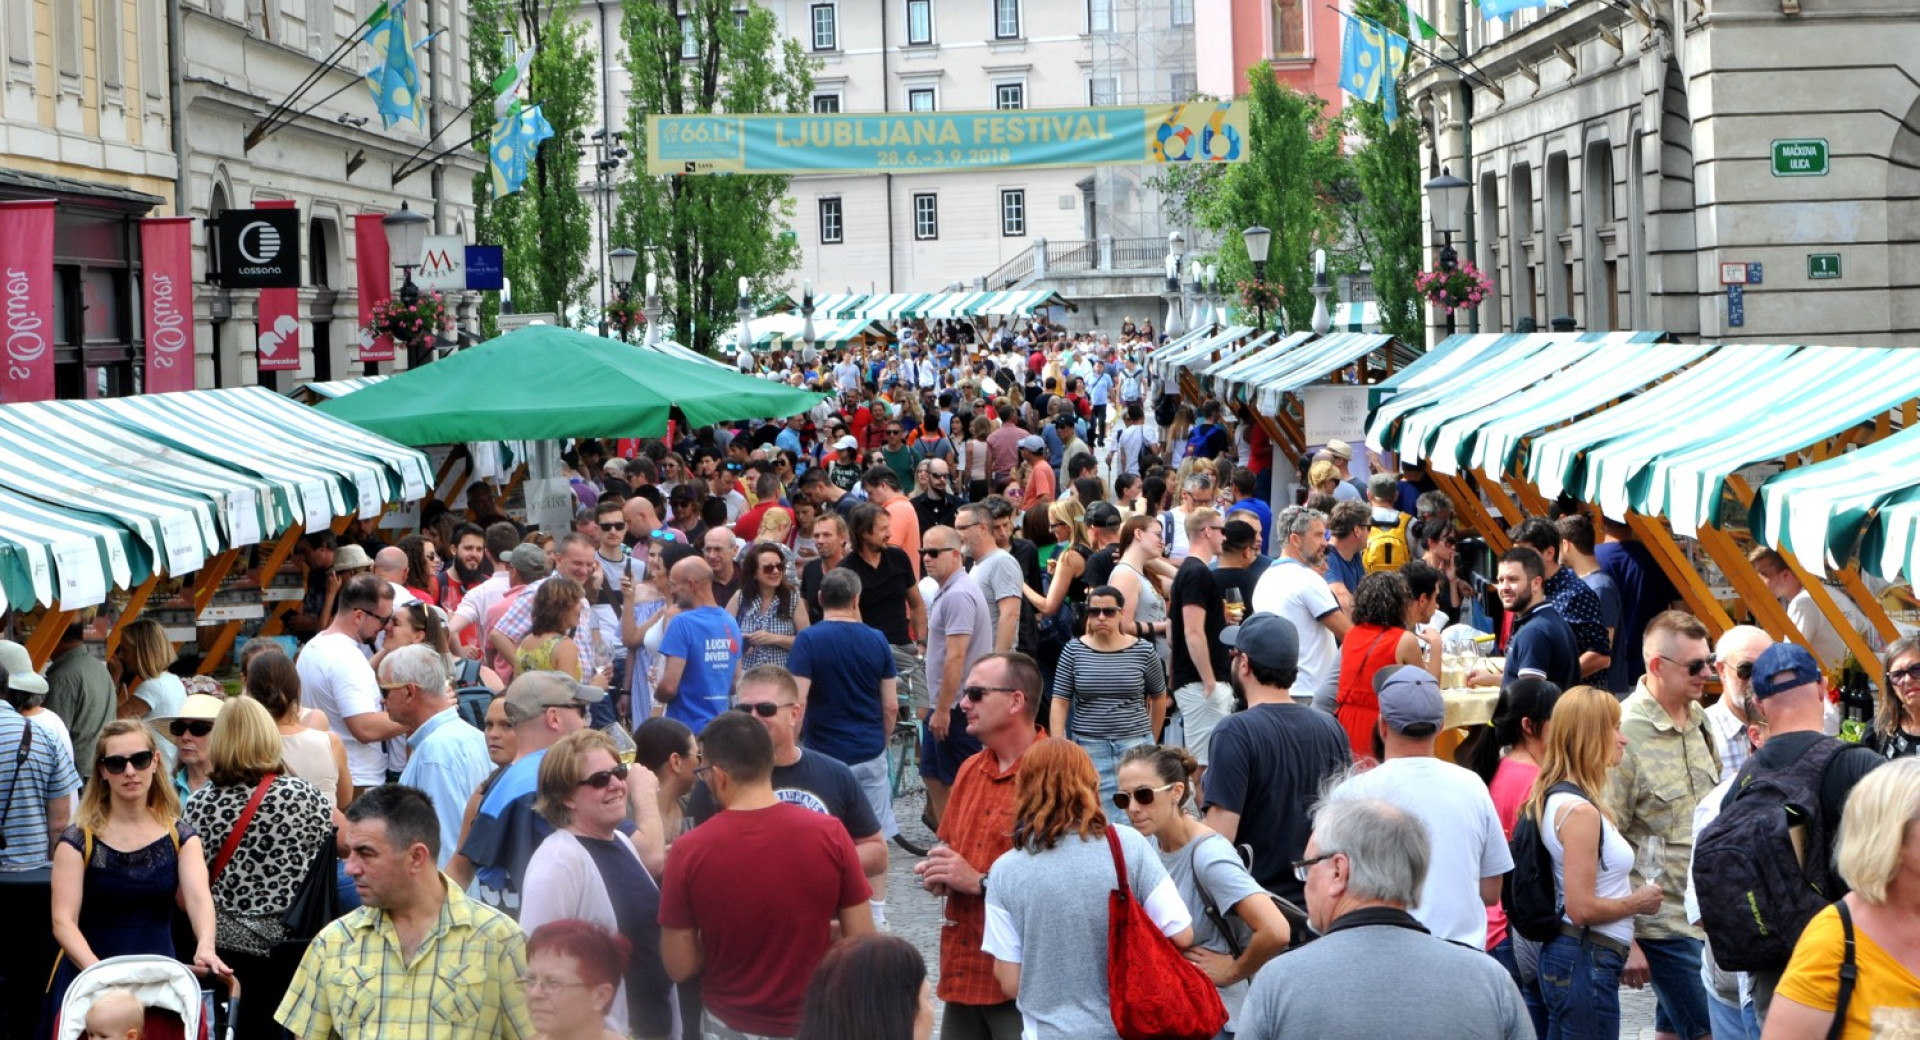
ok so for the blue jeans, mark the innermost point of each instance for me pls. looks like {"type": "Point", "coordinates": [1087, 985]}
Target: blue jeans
{"type": "Point", "coordinates": [1675, 967]}
{"type": "Point", "coordinates": [1106, 761]}
{"type": "Point", "coordinates": [1580, 986]}
{"type": "Point", "coordinates": [1527, 977]}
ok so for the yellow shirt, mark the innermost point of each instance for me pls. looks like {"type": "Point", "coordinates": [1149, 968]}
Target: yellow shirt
{"type": "Point", "coordinates": [463, 983]}
{"type": "Point", "coordinates": [1886, 996]}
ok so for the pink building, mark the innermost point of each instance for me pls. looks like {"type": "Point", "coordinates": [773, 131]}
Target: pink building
{"type": "Point", "coordinates": [1300, 37]}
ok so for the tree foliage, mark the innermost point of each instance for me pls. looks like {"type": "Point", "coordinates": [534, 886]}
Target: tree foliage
{"type": "Point", "coordinates": [547, 226]}
{"type": "Point", "coordinates": [701, 234]}
{"type": "Point", "coordinates": [1386, 216]}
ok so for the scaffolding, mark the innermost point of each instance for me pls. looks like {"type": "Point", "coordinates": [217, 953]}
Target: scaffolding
{"type": "Point", "coordinates": [1143, 54]}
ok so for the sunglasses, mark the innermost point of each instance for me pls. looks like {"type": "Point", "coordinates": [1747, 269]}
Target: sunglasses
{"type": "Point", "coordinates": [976, 694]}
{"type": "Point", "coordinates": [114, 765]}
{"type": "Point", "coordinates": [613, 527]}
{"type": "Point", "coordinates": [1103, 611]}
{"type": "Point", "coordinates": [1694, 667]}
{"type": "Point", "coordinates": [1143, 795]}
{"type": "Point", "coordinates": [934, 554]}
{"type": "Point", "coordinates": [764, 709]}
{"type": "Point", "coordinates": [1904, 677]}
{"type": "Point", "coordinates": [1745, 672]}
{"type": "Point", "coordinates": [599, 781]}
{"type": "Point", "coordinates": [771, 568]}
{"type": "Point", "coordinates": [197, 727]}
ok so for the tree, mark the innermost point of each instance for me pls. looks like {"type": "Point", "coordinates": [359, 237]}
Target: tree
{"type": "Point", "coordinates": [701, 234]}
{"type": "Point", "coordinates": [546, 226]}
{"type": "Point", "coordinates": [1386, 217]}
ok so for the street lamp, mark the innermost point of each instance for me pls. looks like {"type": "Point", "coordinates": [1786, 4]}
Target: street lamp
{"type": "Point", "coordinates": [1448, 195]}
{"type": "Point", "coordinates": [1258, 240]}
{"type": "Point", "coordinates": [743, 345]}
{"type": "Point", "coordinates": [623, 261]}
{"type": "Point", "coordinates": [1176, 324]}
{"type": "Point", "coordinates": [406, 233]}
{"type": "Point", "coordinates": [807, 335]}
{"type": "Point", "coordinates": [1322, 321]}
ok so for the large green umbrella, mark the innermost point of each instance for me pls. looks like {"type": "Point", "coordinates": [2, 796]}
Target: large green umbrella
{"type": "Point", "coordinates": [543, 382]}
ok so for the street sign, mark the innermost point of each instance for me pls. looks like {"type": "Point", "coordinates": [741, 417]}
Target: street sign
{"type": "Point", "coordinates": [1800, 157]}
{"type": "Point", "coordinates": [1823, 265]}
{"type": "Point", "coordinates": [1736, 306]}
{"type": "Point", "coordinates": [1756, 272]}
{"type": "Point", "coordinates": [1733, 274]}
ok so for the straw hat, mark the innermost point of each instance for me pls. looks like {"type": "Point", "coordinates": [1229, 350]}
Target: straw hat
{"type": "Point", "coordinates": [351, 557]}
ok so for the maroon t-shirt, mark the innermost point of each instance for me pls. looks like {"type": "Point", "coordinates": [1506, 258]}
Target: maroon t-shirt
{"type": "Point", "coordinates": [764, 934]}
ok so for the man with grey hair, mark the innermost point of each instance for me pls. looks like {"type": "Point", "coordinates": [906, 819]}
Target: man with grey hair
{"type": "Point", "coordinates": [1294, 589]}
{"type": "Point", "coordinates": [1733, 657]}
{"type": "Point", "coordinates": [446, 758]}
{"type": "Point", "coordinates": [1195, 493]}
{"type": "Point", "coordinates": [1364, 868]}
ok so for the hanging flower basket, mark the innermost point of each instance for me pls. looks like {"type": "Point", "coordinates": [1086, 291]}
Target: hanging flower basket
{"type": "Point", "coordinates": [1464, 286]}
{"type": "Point", "coordinates": [624, 317]}
{"type": "Point", "coordinates": [410, 325]}
{"type": "Point", "coordinates": [1260, 296]}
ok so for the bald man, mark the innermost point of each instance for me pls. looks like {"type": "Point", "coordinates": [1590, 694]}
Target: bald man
{"type": "Point", "coordinates": [702, 647]}
{"type": "Point", "coordinates": [391, 566]}
{"type": "Point", "coordinates": [1727, 719]}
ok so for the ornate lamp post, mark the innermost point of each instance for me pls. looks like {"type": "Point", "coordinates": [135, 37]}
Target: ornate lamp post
{"type": "Point", "coordinates": [1258, 240]}
{"type": "Point", "coordinates": [623, 261]}
{"type": "Point", "coordinates": [406, 232]}
{"type": "Point", "coordinates": [1448, 196]}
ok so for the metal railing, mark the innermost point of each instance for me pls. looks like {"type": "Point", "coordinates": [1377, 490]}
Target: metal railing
{"type": "Point", "coordinates": [1139, 254]}
{"type": "Point", "coordinates": [1010, 274]}
{"type": "Point", "coordinates": [1103, 254]}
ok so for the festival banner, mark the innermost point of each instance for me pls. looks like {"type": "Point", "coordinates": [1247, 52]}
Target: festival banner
{"type": "Point", "coordinates": [277, 332]}
{"type": "Point", "coordinates": [166, 290]}
{"type": "Point", "coordinates": [26, 299]}
{"type": "Point", "coordinates": [1200, 132]}
{"type": "Point", "coordinates": [375, 280]}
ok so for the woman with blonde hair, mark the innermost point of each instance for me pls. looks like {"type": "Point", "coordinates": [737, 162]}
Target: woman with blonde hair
{"type": "Point", "coordinates": [147, 689]}
{"type": "Point", "coordinates": [1143, 606]}
{"type": "Point", "coordinates": [1046, 924]}
{"type": "Point", "coordinates": [1324, 477]}
{"type": "Point", "coordinates": [280, 821]}
{"type": "Point", "coordinates": [1066, 520]}
{"type": "Point", "coordinates": [125, 865]}
{"type": "Point", "coordinates": [586, 870]}
{"type": "Point", "coordinates": [1878, 855]}
{"type": "Point", "coordinates": [1580, 968]}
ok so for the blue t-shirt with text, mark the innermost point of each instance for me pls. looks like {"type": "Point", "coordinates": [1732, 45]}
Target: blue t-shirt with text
{"type": "Point", "coordinates": [708, 640]}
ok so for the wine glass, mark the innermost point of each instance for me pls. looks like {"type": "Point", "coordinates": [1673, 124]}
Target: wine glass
{"type": "Point", "coordinates": [1236, 610]}
{"type": "Point", "coordinates": [1652, 859]}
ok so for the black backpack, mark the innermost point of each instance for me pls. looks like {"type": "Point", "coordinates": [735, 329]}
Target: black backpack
{"type": "Point", "coordinates": [1529, 893]}
{"type": "Point", "coordinates": [1757, 889]}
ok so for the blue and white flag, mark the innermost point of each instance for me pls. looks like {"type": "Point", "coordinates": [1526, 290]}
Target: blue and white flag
{"type": "Point", "coordinates": [395, 81]}
{"type": "Point", "coordinates": [1371, 60]}
{"type": "Point", "coordinates": [1503, 8]}
{"type": "Point", "coordinates": [514, 141]}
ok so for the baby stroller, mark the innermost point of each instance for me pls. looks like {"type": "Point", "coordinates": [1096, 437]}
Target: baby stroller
{"type": "Point", "coordinates": [176, 1007]}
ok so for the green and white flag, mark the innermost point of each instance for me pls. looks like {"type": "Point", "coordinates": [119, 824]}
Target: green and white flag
{"type": "Point", "coordinates": [1417, 27]}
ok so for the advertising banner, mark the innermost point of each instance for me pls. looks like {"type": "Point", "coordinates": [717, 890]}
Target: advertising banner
{"type": "Point", "coordinates": [485, 267]}
{"type": "Point", "coordinates": [443, 264]}
{"type": "Point", "coordinates": [1210, 131]}
{"type": "Point", "coordinates": [26, 300]}
{"type": "Point", "coordinates": [166, 290]}
{"type": "Point", "coordinates": [259, 248]}
{"type": "Point", "coordinates": [374, 277]}
{"type": "Point", "coordinates": [277, 332]}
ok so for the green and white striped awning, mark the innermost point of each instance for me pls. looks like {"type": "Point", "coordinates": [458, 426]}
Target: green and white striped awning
{"type": "Point", "coordinates": [1297, 361]}
{"type": "Point", "coordinates": [784, 332]}
{"type": "Point", "coordinates": [1221, 375]}
{"type": "Point", "coordinates": [1864, 504]}
{"type": "Point", "coordinates": [1196, 348]}
{"type": "Point", "coordinates": [341, 387]}
{"type": "Point", "coordinates": [50, 553]}
{"type": "Point", "coordinates": [898, 306]}
{"type": "Point", "coordinates": [1355, 317]}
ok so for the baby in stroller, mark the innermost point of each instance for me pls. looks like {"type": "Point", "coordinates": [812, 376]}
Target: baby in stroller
{"type": "Point", "coordinates": [116, 1014]}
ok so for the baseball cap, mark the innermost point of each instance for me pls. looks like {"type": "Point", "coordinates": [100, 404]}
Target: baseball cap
{"type": "Point", "coordinates": [1032, 443]}
{"type": "Point", "coordinates": [531, 693]}
{"type": "Point", "coordinates": [1410, 700]}
{"type": "Point", "coordinates": [1102, 514]}
{"type": "Point", "coordinates": [1266, 639]}
{"type": "Point", "coordinates": [529, 560]}
{"type": "Point", "coordinates": [846, 444]}
{"type": "Point", "coordinates": [18, 664]}
{"type": "Point", "coordinates": [1783, 666]}
{"type": "Point", "coordinates": [1341, 449]}
{"type": "Point", "coordinates": [1063, 421]}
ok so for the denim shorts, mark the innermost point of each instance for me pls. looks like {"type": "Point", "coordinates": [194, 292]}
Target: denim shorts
{"type": "Point", "coordinates": [1580, 986]}
{"type": "Point", "coordinates": [1106, 761]}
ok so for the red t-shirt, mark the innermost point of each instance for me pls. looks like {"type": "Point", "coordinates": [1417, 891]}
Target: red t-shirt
{"type": "Point", "coordinates": [764, 934]}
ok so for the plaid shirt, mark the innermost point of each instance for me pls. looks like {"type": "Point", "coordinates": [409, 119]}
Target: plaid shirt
{"type": "Point", "coordinates": [978, 824]}
{"type": "Point", "coordinates": [518, 621]}
{"type": "Point", "coordinates": [463, 983]}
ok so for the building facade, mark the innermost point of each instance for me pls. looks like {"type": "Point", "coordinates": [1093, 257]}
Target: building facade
{"type": "Point", "coordinates": [1744, 170]}
{"type": "Point", "coordinates": [1300, 38]}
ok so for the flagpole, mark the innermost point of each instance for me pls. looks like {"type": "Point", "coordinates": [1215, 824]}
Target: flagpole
{"type": "Point", "coordinates": [338, 54]}
{"type": "Point", "coordinates": [1466, 153]}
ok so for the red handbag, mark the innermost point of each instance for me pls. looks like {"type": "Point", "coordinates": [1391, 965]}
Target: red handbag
{"type": "Point", "coordinates": [1155, 993]}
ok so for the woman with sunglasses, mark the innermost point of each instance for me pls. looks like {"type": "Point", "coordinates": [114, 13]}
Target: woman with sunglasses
{"type": "Point", "coordinates": [1440, 546]}
{"type": "Point", "coordinates": [125, 865]}
{"type": "Point", "coordinates": [587, 870]}
{"type": "Point", "coordinates": [1109, 689]}
{"type": "Point", "coordinates": [1580, 968]}
{"type": "Point", "coordinates": [1896, 728]}
{"type": "Point", "coordinates": [1237, 927]}
{"type": "Point", "coordinates": [767, 607]}
{"type": "Point", "coordinates": [259, 879]}
{"type": "Point", "coordinates": [1046, 918]}
{"type": "Point", "coordinates": [187, 732]}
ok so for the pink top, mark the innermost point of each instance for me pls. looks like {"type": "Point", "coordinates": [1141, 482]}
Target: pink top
{"type": "Point", "coordinates": [1512, 783]}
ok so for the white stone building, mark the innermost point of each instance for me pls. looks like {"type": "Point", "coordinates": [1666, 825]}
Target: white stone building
{"type": "Point", "coordinates": [1626, 155]}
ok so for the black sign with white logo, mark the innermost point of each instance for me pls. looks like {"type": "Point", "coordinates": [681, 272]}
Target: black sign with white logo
{"type": "Point", "coordinates": [258, 249]}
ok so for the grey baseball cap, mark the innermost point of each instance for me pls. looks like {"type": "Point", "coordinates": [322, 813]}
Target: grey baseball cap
{"type": "Point", "coordinates": [1410, 700]}
{"type": "Point", "coordinates": [1266, 639]}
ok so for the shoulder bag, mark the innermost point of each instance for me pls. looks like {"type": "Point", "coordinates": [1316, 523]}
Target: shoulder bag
{"type": "Point", "coordinates": [316, 903]}
{"type": "Point", "coordinates": [232, 844]}
{"type": "Point", "coordinates": [1154, 992]}
{"type": "Point", "coordinates": [1299, 932]}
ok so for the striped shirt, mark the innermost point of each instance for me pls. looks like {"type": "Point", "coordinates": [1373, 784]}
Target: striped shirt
{"type": "Point", "coordinates": [26, 786]}
{"type": "Point", "coordinates": [1108, 690]}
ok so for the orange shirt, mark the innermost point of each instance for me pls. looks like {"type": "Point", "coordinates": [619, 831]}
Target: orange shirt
{"type": "Point", "coordinates": [1041, 486]}
{"type": "Point", "coordinates": [903, 529]}
{"type": "Point", "coordinates": [979, 826]}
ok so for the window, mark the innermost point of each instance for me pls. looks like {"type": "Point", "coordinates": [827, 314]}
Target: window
{"type": "Point", "coordinates": [1013, 212]}
{"type": "Point", "coordinates": [1183, 86]}
{"type": "Point", "coordinates": [1290, 28]}
{"type": "Point", "coordinates": [826, 28]}
{"type": "Point", "coordinates": [1182, 13]}
{"type": "Point", "coordinates": [1010, 95]}
{"type": "Point", "coordinates": [1006, 19]}
{"type": "Point", "coordinates": [20, 38]}
{"type": "Point", "coordinates": [920, 99]}
{"type": "Point", "coordinates": [826, 103]}
{"type": "Point", "coordinates": [107, 26]}
{"type": "Point", "coordinates": [831, 229]}
{"type": "Point", "coordinates": [66, 38]}
{"type": "Point", "coordinates": [689, 40]}
{"type": "Point", "coordinates": [1099, 16]}
{"type": "Point", "coordinates": [1103, 90]}
{"type": "Point", "coordinates": [926, 216]}
{"type": "Point", "coordinates": [919, 22]}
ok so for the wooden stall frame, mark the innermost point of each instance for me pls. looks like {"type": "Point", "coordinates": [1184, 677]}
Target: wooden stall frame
{"type": "Point", "coordinates": [46, 635]}
{"type": "Point", "coordinates": [1653, 533]}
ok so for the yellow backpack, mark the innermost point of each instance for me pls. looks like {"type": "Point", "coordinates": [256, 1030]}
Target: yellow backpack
{"type": "Point", "coordinates": [1387, 547]}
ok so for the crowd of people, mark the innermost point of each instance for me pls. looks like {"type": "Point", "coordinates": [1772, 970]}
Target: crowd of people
{"type": "Point", "coordinates": [633, 779]}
